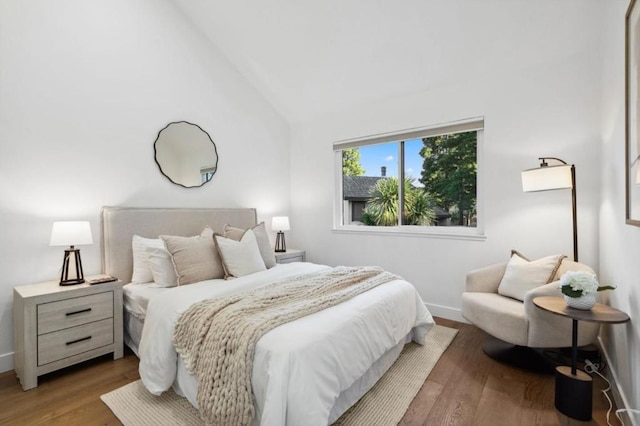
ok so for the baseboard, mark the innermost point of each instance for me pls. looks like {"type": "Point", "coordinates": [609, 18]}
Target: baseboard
{"type": "Point", "coordinates": [618, 393]}
{"type": "Point", "coordinates": [445, 312]}
{"type": "Point", "coordinates": [6, 362]}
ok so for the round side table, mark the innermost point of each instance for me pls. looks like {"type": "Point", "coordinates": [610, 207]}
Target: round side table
{"type": "Point", "coordinates": [574, 388]}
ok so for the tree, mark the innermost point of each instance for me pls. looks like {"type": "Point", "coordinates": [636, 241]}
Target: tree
{"type": "Point", "coordinates": [449, 173]}
{"type": "Point", "coordinates": [382, 208]}
{"type": "Point", "coordinates": [351, 162]}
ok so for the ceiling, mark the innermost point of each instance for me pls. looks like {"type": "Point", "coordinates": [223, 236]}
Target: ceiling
{"type": "Point", "coordinates": [313, 58]}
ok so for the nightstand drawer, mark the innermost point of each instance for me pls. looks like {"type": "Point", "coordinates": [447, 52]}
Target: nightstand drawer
{"type": "Point", "coordinates": [291, 259]}
{"type": "Point", "coordinates": [71, 341]}
{"type": "Point", "coordinates": [68, 313]}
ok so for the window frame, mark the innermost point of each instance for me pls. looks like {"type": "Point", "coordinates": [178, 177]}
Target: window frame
{"type": "Point", "coordinates": [453, 232]}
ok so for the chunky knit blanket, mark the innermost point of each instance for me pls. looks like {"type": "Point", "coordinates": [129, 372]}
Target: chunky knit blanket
{"type": "Point", "coordinates": [217, 338]}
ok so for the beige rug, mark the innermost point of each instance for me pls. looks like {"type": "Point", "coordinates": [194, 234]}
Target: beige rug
{"type": "Point", "coordinates": [384, 404]}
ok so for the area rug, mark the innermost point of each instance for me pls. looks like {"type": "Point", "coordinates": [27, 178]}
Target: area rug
{"type": "Point", "coordinates": [384, 404]}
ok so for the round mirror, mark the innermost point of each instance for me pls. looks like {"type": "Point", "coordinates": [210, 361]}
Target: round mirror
{"type": "Point", "coordinates": [186, 154]}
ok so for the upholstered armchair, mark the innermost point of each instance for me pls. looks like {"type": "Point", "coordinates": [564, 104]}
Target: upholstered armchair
{"type": "Point", "coordinates": [516, 322]}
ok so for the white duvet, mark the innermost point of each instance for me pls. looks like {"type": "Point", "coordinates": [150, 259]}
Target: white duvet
{"type": "Point", "coordinates": [300, 368]}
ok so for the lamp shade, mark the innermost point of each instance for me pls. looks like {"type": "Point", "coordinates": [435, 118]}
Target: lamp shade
{"type": "Point", "coordinates": [280, 223]}
{"type": "Point", "coordinates": [547, 178]}
{"type": "Point", "coordinates": [71, 233]}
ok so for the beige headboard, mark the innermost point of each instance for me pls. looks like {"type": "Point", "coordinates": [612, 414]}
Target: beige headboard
{"type": "Point", "coordinates": [120, 224]}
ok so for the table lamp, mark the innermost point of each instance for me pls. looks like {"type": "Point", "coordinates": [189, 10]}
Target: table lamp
{"type": "Point", "coordinates": [546, 178]}
{"type": "Point", "coordinates": [71, 233]}
{"type": "Point", "coordinates": [280, 224]}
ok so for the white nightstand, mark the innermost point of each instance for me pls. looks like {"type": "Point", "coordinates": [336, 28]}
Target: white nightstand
{"type": "Point", "coordinates": [291, 255]}
{"type": "Point", "coordinates": [57, 326]}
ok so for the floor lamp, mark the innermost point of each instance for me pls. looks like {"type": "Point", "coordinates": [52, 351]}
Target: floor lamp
{"type": "Point", "coordinates": [546, 178]}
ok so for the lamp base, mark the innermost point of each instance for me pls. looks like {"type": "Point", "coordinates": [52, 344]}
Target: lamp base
{"type": "Point", "coordinates": [72, 282]}
{"type": "Point", "coordinates": [281, 246]}
{"type": "Point", "coordinates": [65, 279]}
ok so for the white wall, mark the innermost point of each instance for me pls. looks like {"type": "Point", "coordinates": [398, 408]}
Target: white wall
{"type": "Point", "coordinates": [619, 243]}
{"type": "Point", "coordinates": [86, 86]}
{"type": "Point", "coordinates": [539, 98]}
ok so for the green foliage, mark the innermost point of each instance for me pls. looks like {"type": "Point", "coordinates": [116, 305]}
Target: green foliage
{"type": "Point", "coordinates": [567, 290]}
{"type": "Point", "coordinates": [351, 163]}
{"type": "Point", "coordinates": [382, 208]}
{"type": "Point", "coordinates": [449, 173]}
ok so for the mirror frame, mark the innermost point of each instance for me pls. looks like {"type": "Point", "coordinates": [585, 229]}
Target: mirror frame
{"type": "Point", "coordinates": [155, 153]}
{"type": "Point", "coordinates": [632, 157]}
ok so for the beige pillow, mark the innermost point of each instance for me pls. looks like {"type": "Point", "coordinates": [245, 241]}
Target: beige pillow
{"type": "Point", "coordinates": [194, 258]}
{"type": "Point", "coordinates": [240, 258]}
{"type": "Point", "coordinates": [268, 256]}
{"type": "Point", "coordinates": [522, 275]}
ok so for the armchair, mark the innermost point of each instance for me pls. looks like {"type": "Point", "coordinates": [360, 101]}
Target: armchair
{"type": "Point", "coordinates": [518, 325]}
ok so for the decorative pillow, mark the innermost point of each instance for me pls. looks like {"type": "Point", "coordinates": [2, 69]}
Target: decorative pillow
{"type": "Point", "coordinates": [194, 258]}
{"type": "Point", "coordinates": [268, 256]}
{"type": "Point", "coordinates": [162, 269]}
{"type": "Point", "coordinates": [242, 257]}
{"type": "Point", "coordinates": [141, 268]}
{"type": "Point", "coordinates": [522, 275]}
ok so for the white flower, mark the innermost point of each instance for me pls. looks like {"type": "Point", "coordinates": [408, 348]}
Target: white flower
{"type": "Point", "coordinates": [582, 281]}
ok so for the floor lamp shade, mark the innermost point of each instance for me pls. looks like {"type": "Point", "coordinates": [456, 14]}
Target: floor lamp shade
{"type": "Point", "coordinates": [280, 223]}
{"type": "Point", "coordinates": [547, 178]}
{"type": "Point", "coordinates": [71, 234]}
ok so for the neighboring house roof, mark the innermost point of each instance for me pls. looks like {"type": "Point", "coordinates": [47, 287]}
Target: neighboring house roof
{"type": "Point", "coordinates": [358, 188]}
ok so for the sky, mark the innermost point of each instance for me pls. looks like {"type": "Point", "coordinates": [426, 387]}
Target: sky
{"type": "Point", "coordinates": [373, 157]}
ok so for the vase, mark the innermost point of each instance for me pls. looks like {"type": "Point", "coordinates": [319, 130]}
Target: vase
{"type": "Point", "coordinates": [584, 302]}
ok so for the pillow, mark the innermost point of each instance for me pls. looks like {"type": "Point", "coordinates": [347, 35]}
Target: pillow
{"type": "Point", "coordinates": [194, 258]}
{"type": "Point", "coordinates": [141, 268]}
{"type": "Point", "coordinates": [242, 257]}
{"type": "Point", "coordinates": [162, 269]}
{"type": "Point", "coordinates": [268, 256]}
{"type": "Point", "coordinates": [522, 275]}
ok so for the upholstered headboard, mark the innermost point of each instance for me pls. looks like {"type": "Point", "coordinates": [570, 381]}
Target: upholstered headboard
{"type": "Point", "coordinates": [120, 224]}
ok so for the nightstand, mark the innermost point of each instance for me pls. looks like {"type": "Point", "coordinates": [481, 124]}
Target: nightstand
{"type": "Point", "coordinates": [289, 256]}
{"type": "Point", "coordinates": [58, 326]}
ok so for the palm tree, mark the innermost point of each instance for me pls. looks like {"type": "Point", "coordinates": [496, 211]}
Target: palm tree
{"type": "Point", "coordinates": [382, 207]}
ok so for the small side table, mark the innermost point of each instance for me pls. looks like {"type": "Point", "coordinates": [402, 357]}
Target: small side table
{"type": "Point", "coordinates": [574, 388]}
{"type": "Point", "coordinates": [291, 255]}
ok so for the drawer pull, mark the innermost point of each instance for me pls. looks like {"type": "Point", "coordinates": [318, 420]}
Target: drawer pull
{"type": "Point", "coordinates": [78, 340]}
{"type": "Point", "coordinates": [78, 312]}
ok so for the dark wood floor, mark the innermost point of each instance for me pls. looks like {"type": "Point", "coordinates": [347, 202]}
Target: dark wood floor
{"type": "Point", "coordinates": [464, 388]}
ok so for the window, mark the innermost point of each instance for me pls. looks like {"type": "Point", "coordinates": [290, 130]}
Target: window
{"type": "Point", "coordinates": [415, 180]}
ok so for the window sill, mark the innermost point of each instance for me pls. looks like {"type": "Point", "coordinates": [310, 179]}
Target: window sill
{"type": "Point", "coordinates": [418, 231]}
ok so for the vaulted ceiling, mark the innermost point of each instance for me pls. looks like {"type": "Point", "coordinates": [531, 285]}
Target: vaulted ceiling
{"type": "Point", "coordinates": [309, 58]}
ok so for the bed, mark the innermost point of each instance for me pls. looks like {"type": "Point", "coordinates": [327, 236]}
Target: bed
{"type": "Point", "coordinates": [308, 371]}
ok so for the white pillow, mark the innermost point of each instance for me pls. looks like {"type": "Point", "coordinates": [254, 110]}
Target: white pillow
{"type": "Point", "coordinates": [268, 256]}
{"type": "Point", "coordinates": [242, 257]}
{"type": "Point", "coordinates": [522, 275]}
{"type": "Point", "coordinates": [141, 268]}
{"type": "Point", "coordinates": [162, 269]}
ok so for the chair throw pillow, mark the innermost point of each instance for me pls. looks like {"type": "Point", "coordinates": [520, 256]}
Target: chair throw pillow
{"type": "Point", "coordinates": [522, 274]}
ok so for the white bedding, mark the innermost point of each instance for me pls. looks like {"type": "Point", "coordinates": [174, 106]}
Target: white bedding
{"type": "Point", "coordinates": [301, 367]}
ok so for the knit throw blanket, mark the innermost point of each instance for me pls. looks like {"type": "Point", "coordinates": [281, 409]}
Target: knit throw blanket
{"type": "Point", "coordinates": [217, 338]}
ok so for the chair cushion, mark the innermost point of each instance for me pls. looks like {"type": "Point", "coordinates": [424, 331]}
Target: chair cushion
{"type": "Point", "coordinates": [499, 316]}
{"type": "Point", "coordinates": [522, 274]}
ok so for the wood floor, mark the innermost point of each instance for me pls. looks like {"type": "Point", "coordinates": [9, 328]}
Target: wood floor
{"type": "Point", "coordinates": [465, 388]}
